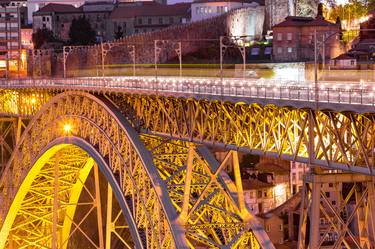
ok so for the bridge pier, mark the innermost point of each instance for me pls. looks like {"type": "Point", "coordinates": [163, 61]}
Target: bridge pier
{"type": "Point", "coordinates": [335, 221]}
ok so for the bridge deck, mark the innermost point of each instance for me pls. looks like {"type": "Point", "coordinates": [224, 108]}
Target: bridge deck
{"type": "Point", "coordinates": [336, 97]}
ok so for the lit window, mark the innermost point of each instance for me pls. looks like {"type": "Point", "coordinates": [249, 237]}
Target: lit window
{"type": "Point", "coordinates": [289, 36]}
{"type": "Point", "coordinates": [225, 8]}
{"type": "Point", "coordinates": [290, 50]}
{"type": "Point", "coordinates": [255, 51]}
{"type": "Point", "coordinates": [268, 50]}
{"type": "Point", "coordinates": [279, 36]}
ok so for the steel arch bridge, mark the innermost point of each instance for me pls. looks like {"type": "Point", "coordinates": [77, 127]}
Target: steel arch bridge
{"type": "Point", "coordinates": [149, 146]}
{"type": "Point", "coordinates": [76, 132]}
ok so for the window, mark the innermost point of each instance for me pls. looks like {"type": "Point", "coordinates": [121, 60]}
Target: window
{"type": "Point", "coordinates": [149, 21]}
{"type": "Point", "coordinates": [330, 185]}
{"type": "Point", "coordinates": [251, 194]}
{"type": "Point", "coordinates": [259, 194]}
{"type": "Point", "coordinates": [334, 203]}
{"type": "Point", "coordinates": [43, 18]}
{"type": "Point", "coordinates": [279, 50]}
{"type": "Point", "coordinates": [160, 20]}
{"type": "Point", "coordinates": [268, 227]}
{"type": "Point", "coordinates": [255, 51]}
{"type": "Point", "coordinates": [281, 227]}
{"type": "Point", "coordinates": [268, 50]}
{"type": "Point", "coordinates": [293, 176]}
{"type": "Point", "coordinates": [57, 18]}
{"type": "Point", "coordinates": [140, 21]}
{"type": "Point", "coordinates": [328, 194]}
{"type": "Point", "coordinates": [44, 25]}
{"type": "Point", "coordinates": [265, 193]}
{"type": "Point", "coordinates": [225, 8]}
{"type": "Point", "coordinates": [290, 50]}
{"type": "Point", "coordinates": [279, 36]}
{"type": "Point", "coordinates": [293, 165]}
{"type": "Point", "coordinates": [170, 20]}
{"type": "Point", "coordinates": [197, 10]}
{"type": "Point", "coordinates": [352, 62]}
{"type": "Point", "coordinates": [289, 36]}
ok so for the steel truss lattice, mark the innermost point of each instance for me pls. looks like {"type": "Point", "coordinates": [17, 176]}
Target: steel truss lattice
{"type": "Point", "coordinates": [344, 141]}
{"type": "Point", "coordinates": [202, 192]}
{"type": "Point", "coordinates": [154, 218]}
{"type": "Point", "coordinates": [352, 211]}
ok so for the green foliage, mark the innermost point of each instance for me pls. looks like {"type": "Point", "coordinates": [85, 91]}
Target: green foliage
{"type": "Point", "coordinates": [355, 9]}
{"type": "Point", "coordinates": [42, 37]}
{"type": "Point", "coordinates": [81, 33]}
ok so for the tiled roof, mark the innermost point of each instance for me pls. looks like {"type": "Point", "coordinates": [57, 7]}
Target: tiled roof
{"type": "Point", "coordinates": [58, 8]}
{"type": "Point", "coordinates": [298, 21]}
{"type": "Point", "coordinates": [180, 9]}
{"type": "Point", "coordinates": [251, 184]}
{"type": "Point", "coordinates": [344, 57]}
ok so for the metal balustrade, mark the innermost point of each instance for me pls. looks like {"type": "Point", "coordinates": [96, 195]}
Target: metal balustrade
{"type": "Point", "coordinates": [328, 92]}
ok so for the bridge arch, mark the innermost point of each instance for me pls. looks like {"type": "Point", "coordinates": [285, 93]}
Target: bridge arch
{"type": "Point", "coordinates": [96, 127]}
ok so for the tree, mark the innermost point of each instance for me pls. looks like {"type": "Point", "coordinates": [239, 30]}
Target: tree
{"type": "Point", "coordinates": [81, 33]}
{"type": "Point", "coordinates": [43, 36]}
{"type": "Point", "coordinates": [119, 33]}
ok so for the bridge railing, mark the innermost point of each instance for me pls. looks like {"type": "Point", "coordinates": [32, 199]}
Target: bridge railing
{"type": "Point", "coordinates": [297, 91]}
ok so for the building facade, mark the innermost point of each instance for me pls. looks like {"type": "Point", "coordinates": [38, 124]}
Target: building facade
{"type": "Point", "coordinates": [10, 41]}
{"type": "Point", "coordinates": [58, 18]}
{"type": "Point", "coordinates": [294, 38]}
{"type": "Point", "coordinates": [146, 17]}
{"type": "Point", "coordinates": [35, 5]}
{"type": "Point", "coordinates": [297, 172]}
{"type": "Point", "coordinates": [204, 9]}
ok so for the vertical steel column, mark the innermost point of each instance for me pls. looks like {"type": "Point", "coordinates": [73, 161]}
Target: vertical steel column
{"type": "Point", "coordinates": [371, 208]}
{"type": "Point", "coordinates": [109, 218]}
{"type": "Point", "coordinates": [98, 207]}
{"type": "Point", "coordinates": [360, 213]}
{"type": "Point", "coordinates": [238, 181]}
{"type": "Point", "coordinates": [189, 173]}
{"type": "Point", "coordinates": [315, 213]}
{"type": "Point", "coordinates": [303, 216]}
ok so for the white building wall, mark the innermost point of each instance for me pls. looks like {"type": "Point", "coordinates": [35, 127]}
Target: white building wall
{"type": "Point", "coordinates": [201, 11]}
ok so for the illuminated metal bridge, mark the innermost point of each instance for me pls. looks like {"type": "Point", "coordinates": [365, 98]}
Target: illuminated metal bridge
{"type": "Point", "coordinates": [62, 139]}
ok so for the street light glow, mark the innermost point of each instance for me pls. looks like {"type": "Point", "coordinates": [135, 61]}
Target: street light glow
{"type": "Point", "coordinates": [67, 128]}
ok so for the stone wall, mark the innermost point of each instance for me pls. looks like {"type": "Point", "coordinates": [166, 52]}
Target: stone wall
{"type": "Point", "coordinates": [203, 35]}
